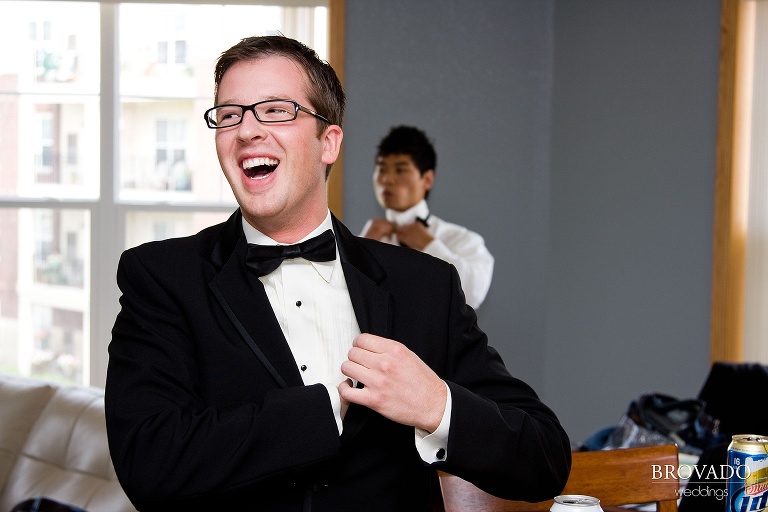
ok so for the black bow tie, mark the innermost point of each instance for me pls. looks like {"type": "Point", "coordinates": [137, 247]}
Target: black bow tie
{"type": "Point", "coordinates": [263, 259]}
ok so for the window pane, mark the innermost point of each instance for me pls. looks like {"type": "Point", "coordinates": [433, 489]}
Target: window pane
{"type": "Point", "coordinates": [49, 85]}
{"type": "Point", "coordinates": [148, 226]}
{"type": "Point", "coordinates": [44, 297]}
{"type": "Point", "coordinates": [167, 54]}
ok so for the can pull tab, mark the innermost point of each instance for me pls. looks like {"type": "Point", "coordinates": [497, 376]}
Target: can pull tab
{"type": "Point", "coordinates": [577, 503]}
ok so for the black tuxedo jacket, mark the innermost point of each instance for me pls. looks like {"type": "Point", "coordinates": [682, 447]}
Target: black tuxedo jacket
{"type": "Point", "coordinates": [206, 409]}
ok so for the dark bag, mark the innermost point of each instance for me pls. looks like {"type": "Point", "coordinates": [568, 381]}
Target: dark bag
{"type": "Point", "coordinates": [42, 504]}
{"type": "Point", "coordinates": [655, 419]}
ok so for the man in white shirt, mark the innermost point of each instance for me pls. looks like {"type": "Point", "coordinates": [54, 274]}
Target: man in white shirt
{"type": "Point", "coordinates": [403, 176]}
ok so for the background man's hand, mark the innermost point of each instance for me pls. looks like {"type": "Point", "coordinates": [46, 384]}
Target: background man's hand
{"type": "Point", "coordinates": [414, 235]}
{"type": "Point", "coordinates": [377, 229]}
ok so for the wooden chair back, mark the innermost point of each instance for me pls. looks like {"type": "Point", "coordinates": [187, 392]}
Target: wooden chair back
{"type": "Point", "coordinates": [615, 477]}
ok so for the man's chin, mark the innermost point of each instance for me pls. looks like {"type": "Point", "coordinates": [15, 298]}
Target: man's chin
{"type": "Point", "coordinates": [392, 205]}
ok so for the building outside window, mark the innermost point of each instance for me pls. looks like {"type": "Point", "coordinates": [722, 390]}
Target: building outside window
{"type": "Point", "coordinates": [103, 147]}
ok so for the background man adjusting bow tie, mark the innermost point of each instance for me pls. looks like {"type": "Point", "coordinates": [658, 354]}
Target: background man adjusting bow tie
{"type": "Point", "coordinates": [403, 176]}
{"type": "Point", "coordinates": [277, 379]}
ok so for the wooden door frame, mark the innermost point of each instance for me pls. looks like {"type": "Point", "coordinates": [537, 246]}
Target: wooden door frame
{"type": "Point", "coordinates": [730, 199]}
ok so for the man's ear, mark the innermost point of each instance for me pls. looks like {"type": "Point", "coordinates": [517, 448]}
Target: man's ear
{"type": "Point", "coordinates": [429, 179]}
{"type": "Point", "coordinates": [331, 139]}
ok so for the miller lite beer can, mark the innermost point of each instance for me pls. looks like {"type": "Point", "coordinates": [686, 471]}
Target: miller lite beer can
{"type": "Point", "coordinates": [748, 474]}
{"type": "Point", "coordinates": [576, 503]}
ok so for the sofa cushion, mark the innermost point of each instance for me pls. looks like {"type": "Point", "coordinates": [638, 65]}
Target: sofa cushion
{"type": "Point", "coordinates": [21, 402]}
{"type": "Point", "coordinates": [66, 456]}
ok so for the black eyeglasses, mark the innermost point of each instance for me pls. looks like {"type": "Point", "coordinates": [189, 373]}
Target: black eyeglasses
{"type": "Point", "coordinates": [269, 111]}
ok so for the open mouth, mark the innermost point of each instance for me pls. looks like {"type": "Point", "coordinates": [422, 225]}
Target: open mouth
{"type": "Point", "coordinates": [261, 167]}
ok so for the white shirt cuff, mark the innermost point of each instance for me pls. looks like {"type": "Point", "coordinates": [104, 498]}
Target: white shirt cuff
{"type": "Point", "coordinates": [333, 394]}
{"type": "Point", "coordinates": [433, 447]}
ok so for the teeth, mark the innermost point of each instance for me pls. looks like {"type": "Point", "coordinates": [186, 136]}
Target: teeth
{"type": "Point", "coordinates": [256, 162]}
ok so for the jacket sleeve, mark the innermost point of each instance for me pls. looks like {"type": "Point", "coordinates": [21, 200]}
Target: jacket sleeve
{"type": "Point", "coordinates": [502, 437]}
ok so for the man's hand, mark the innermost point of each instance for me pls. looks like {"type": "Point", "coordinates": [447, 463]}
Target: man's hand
{"type": "Point", "coordinates": [414, 235]}
{"type": "Point", "coordinates": [397, 384]}
{"type": "Point", "coordinates": [377, 229]}
{"type": "Point", "coordinates": [344, 403]}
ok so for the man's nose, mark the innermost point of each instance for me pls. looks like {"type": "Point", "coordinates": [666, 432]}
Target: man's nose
{"type": "Point", "coordinates": [250, 127]}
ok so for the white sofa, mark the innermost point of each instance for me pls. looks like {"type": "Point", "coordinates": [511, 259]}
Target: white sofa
{"type": "Point", "coordinates": [53, 443]}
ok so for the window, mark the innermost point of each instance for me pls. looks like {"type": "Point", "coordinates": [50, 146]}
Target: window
{"type": "Point", "coordinates": [103, 147]}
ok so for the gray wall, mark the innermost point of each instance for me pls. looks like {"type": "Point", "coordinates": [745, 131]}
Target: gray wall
{"type": "Point", "coordinates": [577, 136]}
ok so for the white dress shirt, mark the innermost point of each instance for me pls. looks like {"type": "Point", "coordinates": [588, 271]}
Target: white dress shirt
{"type": "Point", "coordinates": [312, 305]}
{"type": "Point", "coordinates": [457, 245]}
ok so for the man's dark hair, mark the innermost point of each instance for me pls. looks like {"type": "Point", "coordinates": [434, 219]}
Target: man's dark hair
{"type": "Point", "coordinates": [325, 93]}
{"type": "Point", "coordinates": [408, 140]}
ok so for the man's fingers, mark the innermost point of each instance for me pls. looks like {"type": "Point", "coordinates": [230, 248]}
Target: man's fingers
{"type": "Point", "coordinates": [373, 343]}
{"type": "Point", "coordinates": [355, 371]}
{"type": "Point", "coordinates": [346, 383]}
{"type": "Point", "coordinates": [362, 357]}
{"type": "Point", "coordinates": [343, 387]}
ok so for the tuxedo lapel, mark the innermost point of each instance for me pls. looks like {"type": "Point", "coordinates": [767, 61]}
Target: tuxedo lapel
{"type": "Point", "coordinates": [364, 276]}
{"type": "Point", "coordinates": [370, 300]}
{"type": "Point", "coordinates": [245, 303]}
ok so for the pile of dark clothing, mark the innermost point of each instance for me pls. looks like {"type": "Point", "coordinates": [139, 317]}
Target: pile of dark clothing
{"type": "Point", "coordinates": [729, 403]}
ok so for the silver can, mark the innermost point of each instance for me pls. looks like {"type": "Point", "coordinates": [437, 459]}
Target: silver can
{"type": "Point", "coordinates": [748, 478]}
{"type": "Point", "coordinates": [576, 503]}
